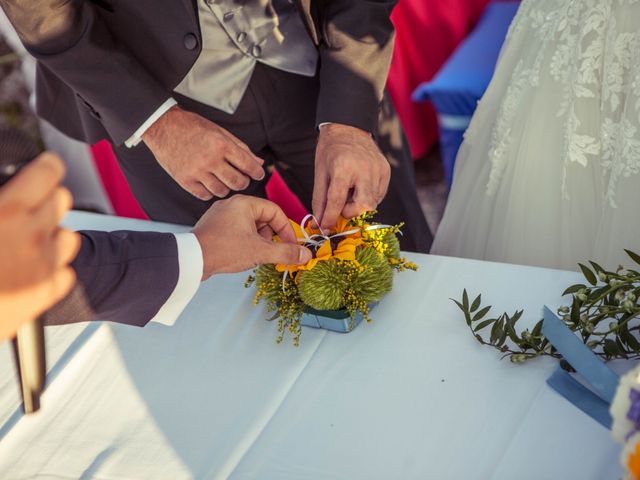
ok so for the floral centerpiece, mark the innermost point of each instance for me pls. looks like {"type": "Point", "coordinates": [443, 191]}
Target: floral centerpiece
{"type": "Point", "coordinates": [351, 269]}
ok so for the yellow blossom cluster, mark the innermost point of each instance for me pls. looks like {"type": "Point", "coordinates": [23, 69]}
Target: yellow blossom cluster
{"type": "Point", "coordinates": [402, 264]}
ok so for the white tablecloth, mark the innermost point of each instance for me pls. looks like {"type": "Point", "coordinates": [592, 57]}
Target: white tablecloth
{"type": "Point", "coordinates": [410, 396]}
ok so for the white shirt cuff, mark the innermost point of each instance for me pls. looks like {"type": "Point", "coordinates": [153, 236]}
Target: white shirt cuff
{"type": "Point", "coordinates": [331, 123]}
{"type": "Point", "coordinates": [136, 138]}
{"type": "Point", "coordinates": [190, 265]}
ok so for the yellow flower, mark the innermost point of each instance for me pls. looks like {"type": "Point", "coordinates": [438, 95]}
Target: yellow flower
{"type": "Point", "coordinates": [342, 225]}
{"type": "Point", "coordinates": [345, 250]}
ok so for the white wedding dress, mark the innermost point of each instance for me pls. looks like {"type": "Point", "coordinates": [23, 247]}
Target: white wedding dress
{"type": "Point", "coordinates": [549, 172]}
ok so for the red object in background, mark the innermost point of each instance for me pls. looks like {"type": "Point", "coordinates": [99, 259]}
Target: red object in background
{"type": "Point", "coordinates": [122, 200]}
{"type": "Point", "coordinates": [125, 205]}
{"type": "Point", "coordinates": [427, 32]}
{"type": "Point", "coordinates": [278, 192]}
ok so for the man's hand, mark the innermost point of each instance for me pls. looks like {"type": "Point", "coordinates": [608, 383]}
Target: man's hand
{"type": "Point", "coordinates": [205, 159]}
{"type": "Point", "coordinates": [236, 235]}
{"type": "Point", "coordinates": [36, 252]}
{"type": "Point", "coordinates": [352, 175]}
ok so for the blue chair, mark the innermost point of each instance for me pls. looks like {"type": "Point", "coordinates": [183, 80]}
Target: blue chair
{"type": "Point", "coordinates": [462, 81]}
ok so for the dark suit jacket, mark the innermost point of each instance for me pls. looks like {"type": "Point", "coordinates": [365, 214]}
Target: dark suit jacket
{"type": "Point", "coordinates": [104, 66]}
{"type": "Point", "coordinates": [123, 277]}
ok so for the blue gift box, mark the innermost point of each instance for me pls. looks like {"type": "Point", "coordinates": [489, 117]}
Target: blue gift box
{"type": "Point", "coordinates": [334, 320]}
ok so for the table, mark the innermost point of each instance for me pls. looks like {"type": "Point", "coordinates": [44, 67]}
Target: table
{"type": "Point", "coordinates": [410, 396]}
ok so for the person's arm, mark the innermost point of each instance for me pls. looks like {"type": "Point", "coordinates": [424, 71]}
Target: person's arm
{"type": "Point", "coordinates": [137, 277]}
{"type": "Point", "coordinates": [355, 55]}
{"type": "Point", "coordinates": [35, 253]}
{"type": "Point", "coordinates": [351, 174]}
{"type": "Point", "coordinates": [69, 38]}
{"type": "Point", "coordinates": [131, 278]}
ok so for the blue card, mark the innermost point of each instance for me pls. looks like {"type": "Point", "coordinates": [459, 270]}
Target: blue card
{"type": "Point", "coordinates": [602, 379]}
{"type": "Point", "coordinates": [581, 397]}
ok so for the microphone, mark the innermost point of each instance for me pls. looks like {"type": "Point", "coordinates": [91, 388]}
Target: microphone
{"type": "Point", "coordinates": [16, 151]}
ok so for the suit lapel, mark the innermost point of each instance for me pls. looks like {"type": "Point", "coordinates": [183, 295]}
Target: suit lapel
{"type": "Point", "coordinates": [192, 8]}
{"type": "Point", "coordinates": [304, 7]}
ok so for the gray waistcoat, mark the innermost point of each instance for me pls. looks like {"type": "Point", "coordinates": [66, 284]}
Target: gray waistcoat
{"type": "Point", "coordinates": [237, 34]}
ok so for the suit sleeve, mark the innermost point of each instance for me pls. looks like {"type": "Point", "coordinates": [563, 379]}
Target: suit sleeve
{"type": "Point", "coordinates": [355, 56]}
{"type": "Point", "coordinates": [123, 277]}
{"type": "Point", "coordinates": [71, 40]}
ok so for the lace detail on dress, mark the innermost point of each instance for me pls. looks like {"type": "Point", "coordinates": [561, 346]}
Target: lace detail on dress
{"type": "Point", "coordinates": [591, 50]}
{"type": "Point", "coordinates": [521, 80]}
{"type": "Point", "coordinates": [501, 135]}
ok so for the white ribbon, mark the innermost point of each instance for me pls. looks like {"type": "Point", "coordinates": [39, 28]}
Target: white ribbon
{"type": "Point", "coordinates": [312, 239]}
{"type": "Point", "coordinates": [318, 239]}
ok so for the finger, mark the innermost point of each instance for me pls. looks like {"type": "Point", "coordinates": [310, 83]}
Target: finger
{"type": "Point", "coordinates": [232, 178]}
{"type": "Point", "coordinates": [36, 181]}
{"type": "Point", "coordinates": [266, 232]}
{"type": "Point", "coordinates": [383, 183]}
{"type": "Point", "coordinates": [268, 213]}
{"type": "Point", "coordinates": [67, 247]}
{"type": "Point", "coordinates": [319, 200]}
{"type": "Point", "coordinates": [58, 287]}
{"type": "Point", "coordinates": [46, 217]}
{"type": "Point", "coordinates": [364, 200]}
{"type": "Point", "coordinates": [47, 293]}
{"type": "Point", "coordinates": [286, 253]}
{"type": "Point", "coordinates": [198, 190]}
{"type": "Point", "coordinates": [243, 146]}
{"type": "Point", "coordinates": [244, 162]}
{"type": "Point", "coordinates": [336, 200]}
{"type": "Point", "coordinates": [215, 186]}
{"type": "Point", "coordinates": [64, 202]}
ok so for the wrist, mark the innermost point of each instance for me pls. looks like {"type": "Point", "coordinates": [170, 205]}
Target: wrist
{"type": "Point", "coordinates": [159, 127]}
{"type": "Point", "coordinates": [331, 129]}
{"type": "Point", "coordinates": [206, 273]}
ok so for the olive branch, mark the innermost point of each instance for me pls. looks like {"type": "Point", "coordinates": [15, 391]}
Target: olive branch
{"type": "Point", "coordinates": [604, 313]}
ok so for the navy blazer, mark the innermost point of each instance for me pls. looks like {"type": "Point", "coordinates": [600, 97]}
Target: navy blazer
{"type": "Point", "coordinates": [123, 277]}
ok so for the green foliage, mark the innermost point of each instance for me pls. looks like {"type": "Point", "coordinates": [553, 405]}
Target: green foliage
{"type": "Point", "coordinates": [605, 315]}
{"type": "Point", "coordinates": [282, 298]}
{"type": "Point", "coordinates": [268, 276]}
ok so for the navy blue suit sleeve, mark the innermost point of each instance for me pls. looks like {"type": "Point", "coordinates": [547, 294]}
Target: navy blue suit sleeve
{"type": "Point", "coordinates": [123, 277]}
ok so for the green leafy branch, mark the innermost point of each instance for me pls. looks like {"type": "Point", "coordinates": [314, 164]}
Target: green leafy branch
{"type": "Point", "coordinates": [604, 312]}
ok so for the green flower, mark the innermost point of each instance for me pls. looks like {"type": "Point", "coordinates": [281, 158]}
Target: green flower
{"type": "Point", "coordinates": [375, 279]}
{"type": "Point", "coordinates": [324, 286]}
{"type": "Point", "coordinates": [268, 282]}
{"type": "Point", "coordinates": [393, 245]}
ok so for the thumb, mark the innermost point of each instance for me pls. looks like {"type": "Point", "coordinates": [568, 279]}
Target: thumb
{"type": "Point", "coordinates": [286, 253]}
